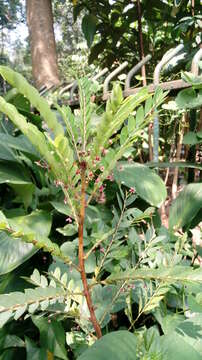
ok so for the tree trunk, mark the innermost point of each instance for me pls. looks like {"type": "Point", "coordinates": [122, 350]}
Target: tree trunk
{"type": "Point", "coordinates": [143, 69]}
{"type": "Point", "coordinates": [42, 39]}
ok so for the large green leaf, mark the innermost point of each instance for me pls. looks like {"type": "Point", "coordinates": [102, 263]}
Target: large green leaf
{"type": "Point", "coordinates": [33, 352]}
{"type": "Point", "coordinates": [13, 175]}
{"type": "Point", "coordinates": [20, 143]}
{"type": "Point", "coordinates": [62, 208]}
{"type": "Point", "coordinates": [189, 99]}
{"type": "Point", "coordinates": [191, 138]}
{"type": "Point", "coordinates": [175, 347]}
{"type": "Point", "coordinates": [119, 345]}
{"type": "Point", "coordinates": [6, 153]}
{"type": "Point", "coordinates": [24, 193]}
{"type": "Point", "coordinates": [16, 176]}
{"type": "Point", "coordinates": [191, 331]}
{"type": "Point", "coordinates": [195, 81]}
{"type": "Point", "coordinates": [14, 252]}
{"type": "Point", "coordinates": [178, 164]}
{"type": "Point", "coordinates": [146, 182]}
{"type": "Point", "coordinates": [89, 28]}
{"type": "Point", "coordinates": [52, 336]}
{"type": "Point", "coordinates": [186, 206]}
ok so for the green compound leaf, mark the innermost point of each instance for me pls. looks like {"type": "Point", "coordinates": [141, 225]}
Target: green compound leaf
{"type": "Point", "coordinates": [166, 274]}
{"type": "Point", "coordinates": [18, 81]}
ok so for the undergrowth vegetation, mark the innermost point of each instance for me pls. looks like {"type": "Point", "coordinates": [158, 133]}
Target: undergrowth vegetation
{"type": "Point", "coordinates": [83, 252]}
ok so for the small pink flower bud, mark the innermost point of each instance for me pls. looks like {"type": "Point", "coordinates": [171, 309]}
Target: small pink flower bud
{"type": "Point", "coordinates": [69, 220]}
{"type": "Point", "coordinates": [132, 190]}
{"type": "Point", "coordinates": [102, 168]}
{"type": "Point", "coordinates": [104, 151]}
{"type": "Point", "coordinates": [90, 175]}
{"type": "Point", "coordinates": [59, 183]}
{"type": "Point", "coordinates": [110, 177]}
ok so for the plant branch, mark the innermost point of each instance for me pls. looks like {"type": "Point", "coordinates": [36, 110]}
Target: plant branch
{"type": "Point", "coordinates": [81, 253]}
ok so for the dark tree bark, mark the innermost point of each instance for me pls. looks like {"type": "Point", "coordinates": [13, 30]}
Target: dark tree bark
{"type": "Point", "coordinates": [143, 69]}
{"type": "Point", "coordinates": [42, 40]}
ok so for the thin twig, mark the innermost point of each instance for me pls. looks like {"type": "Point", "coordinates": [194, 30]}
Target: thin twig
{"type": "Point", "coordinates": [113, 301]}
{"type": "Point", "coordinates": [113, 238]}
{"type": "Point", "coordinates": [103, 238]}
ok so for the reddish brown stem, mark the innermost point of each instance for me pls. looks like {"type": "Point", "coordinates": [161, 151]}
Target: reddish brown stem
{"type": "Point", "coordinates": [81, 256]}
{"type": "Point", "coordinates": [150, 132]}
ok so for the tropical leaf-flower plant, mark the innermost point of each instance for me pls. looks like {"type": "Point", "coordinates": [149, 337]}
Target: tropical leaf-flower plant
{"type": "Point", "coordinates": [79, 156]}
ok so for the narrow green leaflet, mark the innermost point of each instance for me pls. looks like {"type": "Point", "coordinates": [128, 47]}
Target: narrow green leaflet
{"type": "Point", "coordinates": [119, 345]}
{"type": "Point", "coordinates": [145, 182]}
{"type": "Point", "coordinates": [18, 81]}
{"type": "Point", "coordinates": [186, 206]}
{"type": "Point", "coordinates": [166, 274]}
{"type": "Point", "coordinates": [85, 108]}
